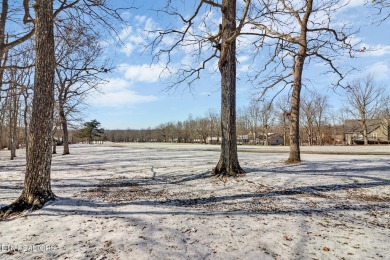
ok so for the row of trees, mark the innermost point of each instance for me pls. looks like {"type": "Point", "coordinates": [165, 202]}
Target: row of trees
{"type": "Point", "coordinates": [320, 124]}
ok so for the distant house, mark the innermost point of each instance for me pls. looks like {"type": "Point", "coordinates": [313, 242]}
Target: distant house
{"type": "Point", "coordinates": [213, 140]}
{"type": "Point", "coordinates": [377, 131]}
{"type": "Point", "coordinates": [242, 139]}
{"type": "Point", "coordinates": [275, 139]}
{"type": "Point", "coordinates": [264, 139]}
{"type": "Point", "coordinates": [270, 139]}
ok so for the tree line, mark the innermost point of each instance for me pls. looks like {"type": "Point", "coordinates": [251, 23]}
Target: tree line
{"type": "Point", "coordinates": [320, 123]}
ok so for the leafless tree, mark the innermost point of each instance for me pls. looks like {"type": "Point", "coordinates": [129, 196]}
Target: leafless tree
{"type": "Point", "coordinates": [296, 33]}
{"type": "Point", "coordinates": [282, 107]}
{"type": "Point", "coordinates": [243, 125]}
{"type": "Point", "coordinates": [253, 112]}
{"type": "Point", "coordinates": [314, 107]}
{"type": "Point", "coordinates": [308, 117]}
{"type": "Point", "coordinates": [322, 108]}
{"type": "Point", "coordinates": [365, 100]}
{"type": "Point", "coordinates": [13, 110]}
{"type": "Point", "coordinates": [215, 124]}
{"type": "Point", "coordinates": [15, 85]}
{"type": "Point", "coordinates": [267, 119]}
{"type": "Point", "coordinates": [202, 128]}
{"type": "Point", "coordinates": [78, 70]}
{"type": "Point", "coordinates": [188, 129]}
{"type": "Point", "coordinates": [220, 43]}
{"type": "Point", "coordinates": [166, 131]}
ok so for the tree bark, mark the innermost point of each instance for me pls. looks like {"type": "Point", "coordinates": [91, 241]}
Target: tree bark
{"type": "Point", "coordinates": [65, 132]}
{"type": "Point", "coordinates": [295, 153]}
{"type": "Point", "coordinates": [37, 187]}
{"type": "Point", "coordinates": [14, 105]}
{"type": "Point", "coordinates": [228, 164]}
{"type": "Point", "coordinates": [25, 113]}
{"type": "Point", "coordinates": [365, 131]}
{"type": "Point", "coordinates": [1, 130]}
{"type": "Point", "coordinates": [3, 60]}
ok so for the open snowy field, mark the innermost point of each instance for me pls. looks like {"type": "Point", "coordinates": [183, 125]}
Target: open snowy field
{"type": "Point", "coordinates": [158, 201]}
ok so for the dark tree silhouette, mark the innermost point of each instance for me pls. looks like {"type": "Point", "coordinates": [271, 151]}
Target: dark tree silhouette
{"type": "Point", "coordinates": [91, 131]}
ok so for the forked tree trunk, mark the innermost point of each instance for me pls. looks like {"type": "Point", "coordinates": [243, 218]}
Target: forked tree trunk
{"type": "Point", "coordinates": [228, 164]}
{"type": "Point", "coordinates": [37, 188]}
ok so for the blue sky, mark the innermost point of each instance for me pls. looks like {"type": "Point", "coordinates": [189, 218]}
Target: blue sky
{"type": "Point", "coordinates": [136, 95]}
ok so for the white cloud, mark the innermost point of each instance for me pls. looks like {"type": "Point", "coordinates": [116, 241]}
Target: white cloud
{"type": "Point", "coordinates": [126, 32]}
{"type": "Point", "coordinates": [244, 68]}
{"type": "Point", "coordinates": [116, 93]}
{"type": "Point", "coordinates": [140, 19]}
{"type": "Point", "coordinates": [376, 50]}
{"type": "Point", "coordinates": [134, 37]}
{"type": "Point", "coordinates": [243, 58]}
{"type": "Point", "coordinates": [126, 15]}
{"type": "Point", "coordinates": [353, 3]}
{"type": "Point", "coordinates": [128, 48]}
{"type": "Point", "coordinates": [379, 70]}
{"type": "Point", "coordinates": [143, 73]}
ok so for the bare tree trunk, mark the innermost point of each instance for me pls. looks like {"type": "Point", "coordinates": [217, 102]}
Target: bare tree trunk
{"type": "Point", "coordinates": [295, 153]}
{"type": "Point", "coordinates": [310, 134]}
{"type": "Point", "coordinates": [37, 187]}
{"type": "Point", "coordinates": [3, 60]}
{"type": "Point", "coordinates": [13, 108]}
{"type": "Point", "coordinates": [11, 136]}
{"type": "Point", "coordinates": [1, 129]}
{"type": "Point", "coordinates": [25, 113]}
{"type": "Point", "coordinates": [54, 151]}
{"type": "Point", "coordinates": [365, 131]}
{"type": "Point", "coordinates": [2, 126]}
{"type": "Point", "coordinates": [65, 131]}
{"type": "Point", "coordinates": [228, 164]}
{"type": "Point", "coordinates": [13, 122]}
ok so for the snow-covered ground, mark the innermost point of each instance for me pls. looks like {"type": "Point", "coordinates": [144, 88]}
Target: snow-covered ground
{"type": "Point", "coordinates": [158, 201]}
